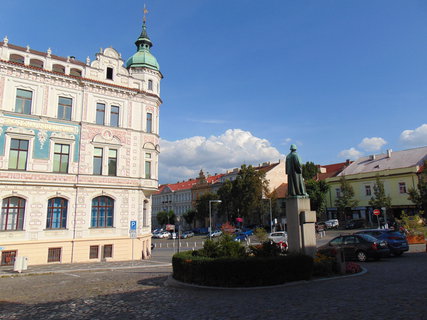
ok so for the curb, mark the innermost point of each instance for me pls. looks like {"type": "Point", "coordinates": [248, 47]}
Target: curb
{"type": "Point", "coordinates": [171, 282]}
{"type": "Point", "coordinates": [44, 272]}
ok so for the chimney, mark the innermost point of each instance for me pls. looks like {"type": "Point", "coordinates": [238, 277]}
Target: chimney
{"type": "Point", "coordinates": [347, 162]}
{"type": "Point", "coordinates": [372, 156]}
{"type": "Point", "coordinates": [389, 153]}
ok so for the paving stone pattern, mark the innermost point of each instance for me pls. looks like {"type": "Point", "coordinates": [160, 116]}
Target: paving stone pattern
{"type": "Point", "coordinates": [393, 288]}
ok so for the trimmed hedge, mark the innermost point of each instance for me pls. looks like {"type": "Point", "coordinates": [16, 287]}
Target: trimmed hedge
{"type": "Point", "coordinates": [241, 272]}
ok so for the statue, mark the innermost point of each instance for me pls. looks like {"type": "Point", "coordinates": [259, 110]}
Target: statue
{"type": "Point", "coordinates": [294, 171]}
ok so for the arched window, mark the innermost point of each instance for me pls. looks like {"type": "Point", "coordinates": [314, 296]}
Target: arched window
{"type": "Point", "coordinates": [16, 58]}
{"type": "Point", "coordinates": [58, 68]}
{"type": "Point", "coordinates": [57, 213]}
{"type": "Point", "coordinates": [12, 214]}
{"type": "Point", "coordinates": [102, 212]}
{"type": "Point", "coordinates": [36, 63]}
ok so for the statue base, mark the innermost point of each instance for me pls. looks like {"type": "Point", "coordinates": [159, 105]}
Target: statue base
{"type": "Point", "coordinates": [301, 226]}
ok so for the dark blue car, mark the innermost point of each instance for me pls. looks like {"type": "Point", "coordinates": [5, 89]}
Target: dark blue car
{"type": "Point", "coordinates": [396, 241]}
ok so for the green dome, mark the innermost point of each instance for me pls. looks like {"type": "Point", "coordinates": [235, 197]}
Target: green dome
{"type": "Point", "coordinates": [143, 56]}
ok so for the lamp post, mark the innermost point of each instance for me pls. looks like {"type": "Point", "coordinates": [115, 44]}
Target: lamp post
{"type": "Point", "coordinates": [178, 219]}
{"type": "Point", "coordinates": [271, 217]}
{"type": "Point", "coordinates": [210, 216]}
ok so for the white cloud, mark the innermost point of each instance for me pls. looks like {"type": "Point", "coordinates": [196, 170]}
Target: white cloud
{"type": "Point", "coordinates": [417, 137]}
{"type": "Point", "coordinates": [351, 154]}
{"type": "Point", "coordinates": [372, 144]}
{"type": "Point", "coordinates": [183, 159]}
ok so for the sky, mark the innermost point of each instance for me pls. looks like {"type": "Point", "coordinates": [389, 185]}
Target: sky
{"type": "Point", "coordinates": [243, 79]}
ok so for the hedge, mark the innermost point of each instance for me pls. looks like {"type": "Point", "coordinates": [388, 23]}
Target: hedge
{"type": "Point", "coordinates": [241, 272]}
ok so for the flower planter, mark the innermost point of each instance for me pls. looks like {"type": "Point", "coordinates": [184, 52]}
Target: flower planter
{"type": "Point", "coordinates": [418, 239]}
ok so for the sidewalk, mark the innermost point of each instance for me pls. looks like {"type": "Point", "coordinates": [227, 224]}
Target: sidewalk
{"type": "Point", "coordinates": [7, 271]}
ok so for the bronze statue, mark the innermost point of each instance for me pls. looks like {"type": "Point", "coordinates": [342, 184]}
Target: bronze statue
{"type": "Point", "coordinates": [294, 171]}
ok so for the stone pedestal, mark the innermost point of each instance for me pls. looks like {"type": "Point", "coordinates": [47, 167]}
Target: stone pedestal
{"type": "Point", "coordinates": [301, 226]}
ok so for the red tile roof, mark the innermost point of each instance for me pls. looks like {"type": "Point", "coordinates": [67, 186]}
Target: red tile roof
{"type": "Point", "coordinates": [331, 170]}
{"type": "Point", "coordinates": [184, 185]}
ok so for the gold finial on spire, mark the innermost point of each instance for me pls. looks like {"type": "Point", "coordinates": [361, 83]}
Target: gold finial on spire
{"type": "Point", "coordinates": [144, 19]}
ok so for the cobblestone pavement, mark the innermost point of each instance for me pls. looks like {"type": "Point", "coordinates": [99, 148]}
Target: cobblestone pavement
{"type": "Point", "coordinates": [393, 288]}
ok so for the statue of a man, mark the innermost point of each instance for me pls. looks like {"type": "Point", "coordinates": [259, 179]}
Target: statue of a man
{"type": "Point", "coordinates": [294, 171]}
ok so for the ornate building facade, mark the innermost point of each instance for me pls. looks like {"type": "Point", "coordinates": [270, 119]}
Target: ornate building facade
{"type": "Point", "coordinates": [79, 150]}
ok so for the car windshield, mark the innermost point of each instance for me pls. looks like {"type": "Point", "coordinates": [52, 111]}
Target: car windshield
{"type": "Point", "coordinates": [367, 237]}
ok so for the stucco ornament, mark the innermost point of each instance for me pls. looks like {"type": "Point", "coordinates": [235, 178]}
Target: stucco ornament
{"type": "Point", "coordinates": [296, 187]}
{"type": "Point", "coordinates": [42, 135]}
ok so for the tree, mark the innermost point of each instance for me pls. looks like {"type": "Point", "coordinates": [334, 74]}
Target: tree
{"type": "Point", "coordinates": [317, 191]}
{"type": "Point", "coordinates": [202, 205]}
{"type": "Point", "coordinates": [166, 217]}
{"type": "Point", "coordinates": [226, 207]}
{"type": "Point", "coordinates": [419, 195]}
{"type": "Point", "coordinates": [309, 170]}
{"type": "Point", "coordinates": [345, 199]}
{"type": "Point", "coordinates": [189, 216]}
{"type": "Point", "coordinates": [380, 199]}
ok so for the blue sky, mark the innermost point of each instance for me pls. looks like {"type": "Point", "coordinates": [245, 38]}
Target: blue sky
{"type": "Point", "coordinates": [245, 79]}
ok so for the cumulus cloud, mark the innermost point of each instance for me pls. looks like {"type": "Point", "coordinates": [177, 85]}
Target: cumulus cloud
{"type": "Point", "coordinates": [351, 154]}
{"type": "Point", "coordinates": [372, 144]}
{"type": "Point", "coordinates": [183, 159]}
{"type": "Point", "coordinates": [417, 137]}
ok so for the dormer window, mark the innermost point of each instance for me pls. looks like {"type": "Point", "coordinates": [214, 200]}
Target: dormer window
{"type": "Point", "coordinates": [150, 85]}
{"type": "Point", "coordinates": [109, 73]}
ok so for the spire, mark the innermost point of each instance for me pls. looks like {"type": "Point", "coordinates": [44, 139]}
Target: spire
{"type": "Point", "coordinates": [143, 41]}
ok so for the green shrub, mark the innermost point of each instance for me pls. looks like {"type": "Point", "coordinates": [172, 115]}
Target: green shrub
{"type": "Point", "coordinates": [261, 235]}
{"type": "Point", "coordinates": [266, 249]}
{"type": "Point", "coordinates": [224, 247]}
{"type": "Point", "coordinates": [241, 272]}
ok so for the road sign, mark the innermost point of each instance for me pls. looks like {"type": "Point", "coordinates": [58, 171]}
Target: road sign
{"type": "Point", "coordinates": [133, 225]}
{"type": "Point", "coordinates": [377, 212]}
{"type": "Point", "coordinates": [132, 234]}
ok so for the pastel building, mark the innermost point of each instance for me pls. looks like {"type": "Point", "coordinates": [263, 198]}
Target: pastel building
{"type": "Point", "coordinates": [79, 150]}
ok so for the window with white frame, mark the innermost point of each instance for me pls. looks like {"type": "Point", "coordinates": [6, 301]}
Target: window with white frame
{"type": "Point", "coordinates": [100, 113]}
{"type": "Point", "coordinates": [114, 116]}
{"type": "Point", "coordinates": [368, 191]}
{"type": "Point", "coordinates": [105, 161]}
{"type": "Point", "coordinates": [150, 85]}
{"type": "Point", "coordinates": [12, 214]}
{"type": "Point", "coordinates": [97, 160]}
{"type": "Point", "coordinates": [108, 115]}
{"type": "Point", "coordinates": [338, 192]}
{"type": "Point", "coordinates": [23, 101]}
{"type": "Point", "coordinates": [18, 154]}
{"type": "Point", "coordinates": [61, 157]}
{"type": "Point", "coordinates": [64, 108]}
{"type": "Point", "coordinates": [149, 122]}
{"type": "Point", "coordinates": [112, 162]}
{"type": "Point", "coordinates": [402, 187]}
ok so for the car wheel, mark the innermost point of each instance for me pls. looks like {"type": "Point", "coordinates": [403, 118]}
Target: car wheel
{"type": "Point", "coordinates": [397, 253]}
{"type": "Point", "coordinates": [361, 256]}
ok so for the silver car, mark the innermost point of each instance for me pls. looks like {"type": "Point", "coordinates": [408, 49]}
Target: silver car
{"type": "Point", "coordinates": [278, 236]}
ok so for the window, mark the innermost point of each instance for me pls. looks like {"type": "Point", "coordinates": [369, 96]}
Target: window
{"type": "Point", "coordinates": [338, 192]}
{"type": "Point", "coordinates": [108, 251]}
{"type": "Point", "coordinates": [114, 116]}
{"type": "Point", "coordinates": [336, 241]}
{"type": "Point", "coordinates": [57, 213]}
{"type": "Point", "coordinates": [12, 214]}
{"type": "Point", "coordinates": [54, 255]}
{"type": "Point", "coordinates": [149, 122]}
{"type": "Point", "coordinates": [402, 187]}
{"type": "Point", "coordinates": [150, 85]}
{"type": "Point", "coordinates": [112, 162]}
{"type": "Point", "coordinates": [147, 169]}
{"type": "Point", "coordinates": [94, 252]}
{"type": "Point", "coordinates": [23, 101]}
{"type": "Point", "coordinates": [109, 73]}
{"type": "Point", "coordinates": [102, 212]}
{"type": "Point", "coordinates": [97, 161]}
{"type": "Point", "coordinates": [18, 154]}
{"type": "Point", "coordinates": [60, 157]}
{"type": "Point", "coordinates": [64, 108]}
{"type": "Point", "coordinates": [58, 68]}
{"type": "Point", "coordinates": [100, 113]}
{"type": "Point", "coordinates": [8, 257]}
{"type": "Point", "coordinates": [368, 190]}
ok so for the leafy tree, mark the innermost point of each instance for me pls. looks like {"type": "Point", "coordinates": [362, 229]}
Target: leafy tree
{"type": "Point", "coordinates": [189, 216]}
{"type": "Point", "coordinates": [317, 190]}
{"type": "Point", "coordinates": [166, 217]}
{"type": "Point", "coordinates": [380, 199]}
{"type": "Point", "coordinates": [309, 170]}
{"type": "Point", "coordinates": [419, 195]}
{"type": "Point", "coordinates": [202, 205]}
{"type": "Point", "coordinates": [345, 200]}
{"type": "Point", "coordinates": [226, 207]}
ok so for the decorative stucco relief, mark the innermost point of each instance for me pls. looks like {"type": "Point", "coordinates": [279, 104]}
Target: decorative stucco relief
{"type": "Point", "coordinates": [42, 136]}
{"type": "Point", "coordinates": [27, 123]}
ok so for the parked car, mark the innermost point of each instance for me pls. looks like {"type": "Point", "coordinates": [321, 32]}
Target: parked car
{"type": "Point", "coordinates": [187, 234]}
{"type": "Point", "coordinates": [355, 224]}
{"type": "Point", "coordinates": [396, 240]}
{"type": "Point", "coordinates": [278, 236]}
{"type": "Point", "coordinates": [216, 233]}
{"type": "Point", "coordinates": [161, 235]}
{"type": "Point", "coordinates": [357, 246]}
{"type": "Point", "coordinates": [172, 235]}
{"type": "Point", "coordinates": [332, 224]}
{"type": "Point", "coordinates": [241, 237]}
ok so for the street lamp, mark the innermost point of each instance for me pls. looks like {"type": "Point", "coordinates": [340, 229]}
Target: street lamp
{"type": "Point", "coordinates": [178, 218]}
{"type": "Point", "coordinates": [210, 216]}
{"type": "Point", "coordinates": [271, 218]}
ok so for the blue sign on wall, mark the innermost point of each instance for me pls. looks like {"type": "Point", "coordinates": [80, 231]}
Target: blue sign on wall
{"type": "Point", "coordinates": [133, 225]}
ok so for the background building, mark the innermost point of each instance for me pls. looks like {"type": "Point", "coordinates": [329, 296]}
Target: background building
{"type": "Point", "coordinates": [79, 152]}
